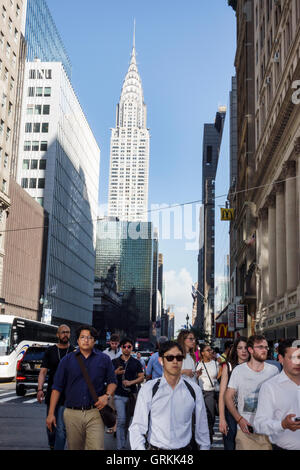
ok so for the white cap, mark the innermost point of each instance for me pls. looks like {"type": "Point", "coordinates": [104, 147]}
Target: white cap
{"type": "Point", "coordinates": [296, 344]}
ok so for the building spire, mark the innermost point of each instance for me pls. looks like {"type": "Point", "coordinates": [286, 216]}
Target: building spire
{"type": "Point", "coordinates": [134, 33]}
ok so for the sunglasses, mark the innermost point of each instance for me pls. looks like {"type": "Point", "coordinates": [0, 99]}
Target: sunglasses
{"type": "Point", "coordinates": [179, 358]}
{"type": "Point", "coordinates": [127, 347]}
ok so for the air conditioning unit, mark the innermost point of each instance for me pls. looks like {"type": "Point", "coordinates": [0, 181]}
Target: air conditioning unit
{"type": "Point", "coordinates": [276, 57]}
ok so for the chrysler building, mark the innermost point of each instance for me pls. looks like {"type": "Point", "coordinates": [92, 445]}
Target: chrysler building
{"type": "Point", "coordinates": [129, 151]}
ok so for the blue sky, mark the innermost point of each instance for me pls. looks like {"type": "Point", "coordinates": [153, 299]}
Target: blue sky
{"type": "Point", "coordinates": [185, 53]}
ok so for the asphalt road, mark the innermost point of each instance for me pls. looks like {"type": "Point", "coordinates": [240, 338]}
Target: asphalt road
{"type": "Point", "coordinates": [22, 422]}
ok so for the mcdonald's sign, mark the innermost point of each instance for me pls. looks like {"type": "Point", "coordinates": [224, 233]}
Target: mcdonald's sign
{"type": "Point", "coordinates": [227, 214]}
{"type": "Point", "coordinates": [222, 331]}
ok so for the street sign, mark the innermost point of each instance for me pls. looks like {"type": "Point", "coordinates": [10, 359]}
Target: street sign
{"type": "Point", "coordinates": [231, 317]}
{"type": "Point", "coordinates": [227, 214]}
{"type": "Point", "coordinates": [222, 331]}
{"type": "Point", "coordinates": [240, 316]}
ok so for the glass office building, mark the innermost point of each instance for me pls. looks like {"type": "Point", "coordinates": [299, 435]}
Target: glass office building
{"type": "Point", "coordinates": [42, 37]}
{"type": "Point", "coordinates": [129, 246]}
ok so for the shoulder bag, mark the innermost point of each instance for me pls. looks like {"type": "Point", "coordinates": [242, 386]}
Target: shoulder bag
{"type": "Point", "coordinates": [108, 415]}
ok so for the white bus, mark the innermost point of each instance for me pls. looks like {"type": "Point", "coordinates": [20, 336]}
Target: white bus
{"type": "Point", "coordinates": [16, 335]}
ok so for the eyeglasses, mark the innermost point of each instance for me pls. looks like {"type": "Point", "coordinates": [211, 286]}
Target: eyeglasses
{"type": "Point", "coordinates": [179, 358]}
{"type": "Point", "coordinates": [87, 338]}
{"type": "Point", "coordinates": [262, 347]}
{"type": "Point", "coordinates": [127, 347]}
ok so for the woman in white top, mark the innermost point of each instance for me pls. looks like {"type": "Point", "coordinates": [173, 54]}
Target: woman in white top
{"type": "Point", "coordinates": [187, 341]}
{"type": "Point", "coordinates": [209, 371]}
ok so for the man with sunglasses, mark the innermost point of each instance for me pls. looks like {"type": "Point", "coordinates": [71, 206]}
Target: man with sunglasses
{"type": "Point", "coordinates": [165, 408]}
{"type": "Point", "coordinates": [129, 373]}
{"type": "Point", "coordinates": [245, 383]}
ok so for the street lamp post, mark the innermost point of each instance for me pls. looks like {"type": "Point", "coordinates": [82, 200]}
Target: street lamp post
{"type": "Point", "coordinates": [187, 321]}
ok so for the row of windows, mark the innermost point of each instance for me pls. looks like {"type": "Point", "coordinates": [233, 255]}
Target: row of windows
{"type": "Point", "coordinates": [40, 74]}
{"type": "Point", "coordinates": [33, 183]}
{"type": "Point", "coordinates": [36, 127]}
{"type": "Point", "coordinates": [35, 146]}
{"type": "Point", "coordinates": [34, 164]}
{"type": "Point", "coordinates": [39, 91]}
{"type": "Point", "coordinates": [38, 109]}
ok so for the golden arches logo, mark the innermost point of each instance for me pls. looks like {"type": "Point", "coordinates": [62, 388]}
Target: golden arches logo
{"type": "Point", "coordinates": [227, 214]}
{"type": "Point", "coordinates": [222, 331]}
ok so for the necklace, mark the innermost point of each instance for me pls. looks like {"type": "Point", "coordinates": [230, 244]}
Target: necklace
{"type": "Point", "coordinates": [58, 352]}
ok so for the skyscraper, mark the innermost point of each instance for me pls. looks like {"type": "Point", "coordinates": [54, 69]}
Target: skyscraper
{"type": "Point", "coordinates": [59, 167]}
{"type": "Point", "coordinates": [206, 260]}
{"type": "Point", "coordinates": [129, 151]}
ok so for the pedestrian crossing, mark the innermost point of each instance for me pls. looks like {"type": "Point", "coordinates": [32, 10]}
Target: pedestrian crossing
{"type": "Point", "coordinates": [217, 437]}
{"type": "Point", "coordinates": [11, 397]}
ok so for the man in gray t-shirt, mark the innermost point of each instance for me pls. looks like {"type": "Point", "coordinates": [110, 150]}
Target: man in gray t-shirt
{"type": "Point", "coordinates": [245, 382]}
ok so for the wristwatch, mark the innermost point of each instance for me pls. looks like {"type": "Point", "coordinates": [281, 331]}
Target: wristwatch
{"type": "Point", "coordinates": [109, 395]}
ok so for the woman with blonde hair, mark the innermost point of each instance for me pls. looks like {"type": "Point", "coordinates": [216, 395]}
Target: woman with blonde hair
{"type": "Point", "coordinates": [187, 341]}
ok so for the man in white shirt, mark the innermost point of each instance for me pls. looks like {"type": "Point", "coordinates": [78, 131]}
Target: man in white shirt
{"type": "Point", "coordinates": [113, 351]}
{"type": "Point", "coordinates": [279, 401]}
{"type": "Point", "coordinates": [165, 407]}
{"type": "Point", "coordinates": [245, 382]}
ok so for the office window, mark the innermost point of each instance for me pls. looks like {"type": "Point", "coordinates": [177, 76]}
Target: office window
{"type": "Point", "coordinates": [41, 183]}
{"type": "Point", "coordinates": [39, 91]}
{"type": "Point", "coordinates": [46, 109]}
{"type": "Point", "coordinates": [38, 109]}
{"type": "Point", "coordinates": [28, 127]}
{"type": "Point", "coordinates": [48, 74]}
{"type": "Point", "coordinates": [32, 183]}
{"type": "Point", "coordinates": [30, 109]}
{"type": "Point", "coordinates": [44, 146]}
{"type": "Point", "coordinates": [209, 150]}
{"type": "Point", "coordinates": [35, 146]}
{"type": "Point", "coordinates": [27, 146]}
{"type": "Point", "coordinates": [4, 186]}
{"type": "Point", "coordinates": [43, 164]}
{"type": "Point", "coordinates": [34, 164]}
{"type": "Point", "coordinates": [5, 163]}
{"type": "Point", "coordinates": [36, 127]}
{"type": "Point", "coordinates": [31, 91]}
{"type": "Point", "coordinates": [24, 183]}
{"type": "Point", "coordinates": [8, 133]}
{"type": "Point", "coordinates": [45, 127]}
{"type": "Point", "coordinates": [47, 91]}
{"type": "Point", "coordinates": [26, 164]}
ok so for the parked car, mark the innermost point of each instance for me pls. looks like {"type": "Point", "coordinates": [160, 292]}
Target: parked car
{"type": "Point", "coordinates": [28, 369]}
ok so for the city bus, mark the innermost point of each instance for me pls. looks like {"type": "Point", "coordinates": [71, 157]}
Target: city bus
{"type": "Point", "coordinates": [16, 335]}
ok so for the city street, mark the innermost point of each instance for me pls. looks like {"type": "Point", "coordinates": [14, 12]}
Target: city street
{"type": "Point", "coordinates": [22, 423]}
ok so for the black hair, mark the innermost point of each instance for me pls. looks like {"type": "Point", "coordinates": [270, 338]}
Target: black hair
{"type": "Point", "coordinates": [202, 346]}
{"type": "Point", "coordinates": [115, 338]}
{"type": "Point", "coordinates": [227, 345]}
{"type": "Point", "coordinates": [233, 356]}
{"type": "Point", "coordinates": [165, 347]}
{"type": "Point", "coordinates": [217, 350]}
{"type": "Point", "coordinates": [126, 340]}
{"type": "Point", "coordinates": [91, 329]}
{"type": "Point", "coordinates": [284, 345]}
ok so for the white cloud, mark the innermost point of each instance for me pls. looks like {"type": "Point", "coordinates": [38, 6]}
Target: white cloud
{"type": "Point", "coordinates": [178, 293]}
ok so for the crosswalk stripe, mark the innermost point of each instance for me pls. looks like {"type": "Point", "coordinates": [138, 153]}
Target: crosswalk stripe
{"type": "Point", "coordinates": [4, 400]}
{"type": "Point", "coordinates": [7, 393]}
{"type": "Point", "coordinates": [34, 400]}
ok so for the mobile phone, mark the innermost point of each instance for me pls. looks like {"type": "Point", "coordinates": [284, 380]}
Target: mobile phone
{"type": "Point", "coordinates": [250, 429]}
{"type": "Point", "coordinates": [297, 419]}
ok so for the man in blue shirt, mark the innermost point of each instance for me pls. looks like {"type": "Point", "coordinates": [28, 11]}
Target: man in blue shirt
{"type": "Point", "coordinates": [84, 425]}
{"type": "Point", "coordinates": [154, 368]}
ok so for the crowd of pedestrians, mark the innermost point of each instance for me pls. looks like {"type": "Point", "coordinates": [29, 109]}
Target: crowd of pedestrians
{"type": "Point", "coordinates": [172, 403]}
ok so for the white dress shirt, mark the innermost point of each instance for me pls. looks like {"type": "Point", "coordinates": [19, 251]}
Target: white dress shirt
{"type": "Point", "coordinates": [278, 397]}
{"type": "Point", "coordinates": [170, 424]}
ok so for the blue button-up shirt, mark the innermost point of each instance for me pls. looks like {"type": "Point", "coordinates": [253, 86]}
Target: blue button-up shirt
{"type": "Point", "coordinates": [154, 367]}
{"type": "Point", "coordinates": [69, 378]}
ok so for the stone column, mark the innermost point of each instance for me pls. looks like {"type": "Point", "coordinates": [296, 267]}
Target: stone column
{"type": "Point", "coordinates": [271, 201]}
{"type": "Point", "coordinates": [297, 156]}
{"type": "Point", "coordinates": [280, 240]}
{"type": "Point", "coordinates": [264, 255]}
{"type": "Point", "coordinates": [291, 225]}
